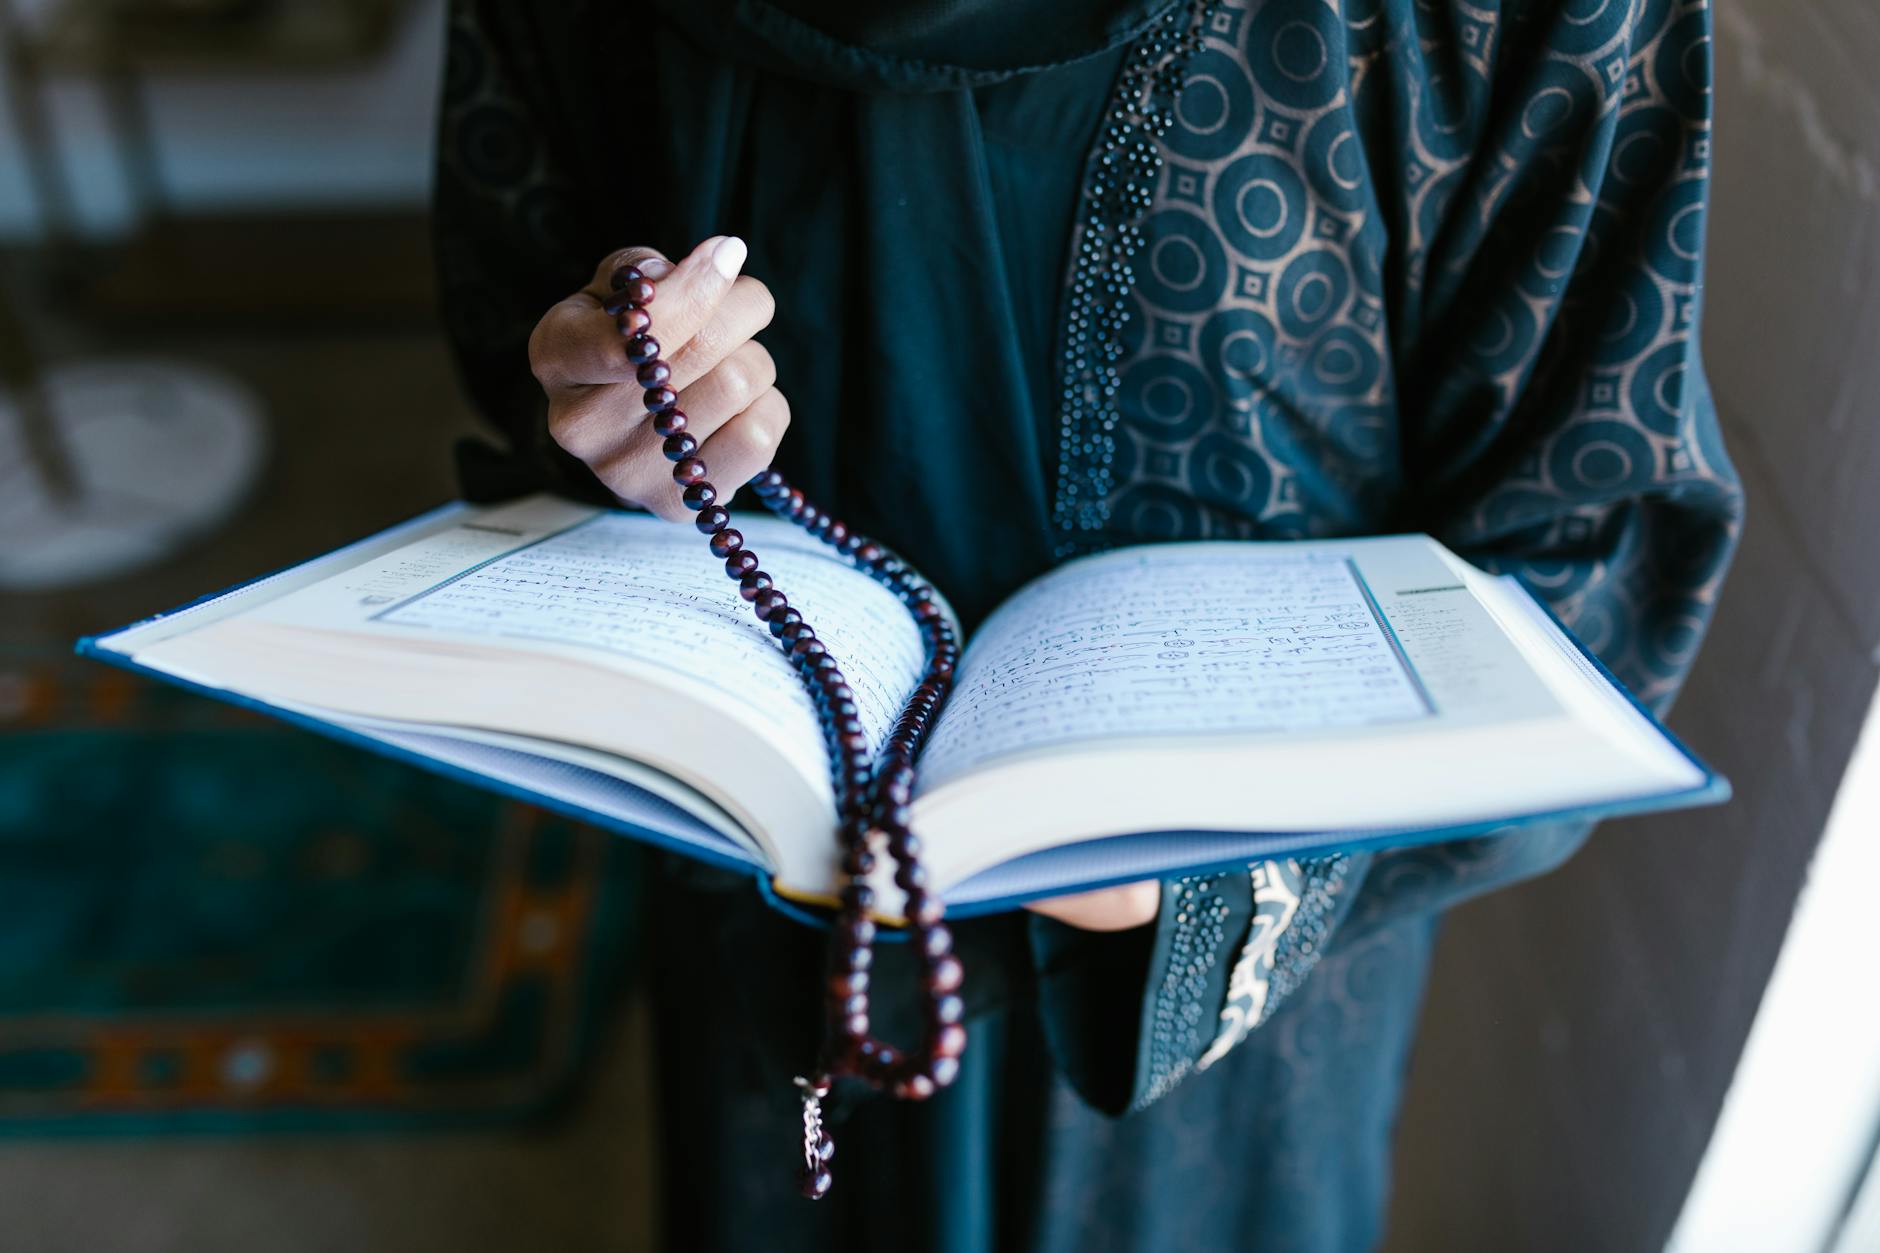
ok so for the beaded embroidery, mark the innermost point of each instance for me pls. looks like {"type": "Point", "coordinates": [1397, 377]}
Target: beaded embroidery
{"type": "Point", "coordinates": [1176, 1021]}
{"type": "Point", "coordinates": [1119, 190]}
{"type": "Point", "coordinates": [1298, 950]}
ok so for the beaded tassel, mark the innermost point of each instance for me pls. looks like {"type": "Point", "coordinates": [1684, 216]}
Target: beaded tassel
{"type": "Point", "coordinates": [872, 791]}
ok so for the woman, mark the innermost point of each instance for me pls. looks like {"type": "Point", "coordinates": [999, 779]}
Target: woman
{"type": "Point", "coordinates": [1404, 266]}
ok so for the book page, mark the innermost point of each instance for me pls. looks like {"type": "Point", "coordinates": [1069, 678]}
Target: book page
{"type": "Point", "coordinates": [1242, 639]}
{"type": "Point", "coordinates": [630, 591]}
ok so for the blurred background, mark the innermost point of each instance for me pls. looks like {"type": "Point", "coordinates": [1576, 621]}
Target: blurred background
{"type": "Point", "coordinates": [259, 991]}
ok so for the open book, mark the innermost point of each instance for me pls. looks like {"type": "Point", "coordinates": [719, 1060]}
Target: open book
{"type": "Point", "coordinates": [1128, 715]}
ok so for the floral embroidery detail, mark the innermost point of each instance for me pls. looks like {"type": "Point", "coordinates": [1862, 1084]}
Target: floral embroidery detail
{"type": "Point", "coordinates": [1276, 887]}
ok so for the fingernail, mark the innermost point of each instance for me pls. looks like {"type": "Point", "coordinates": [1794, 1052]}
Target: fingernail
{"type": "Point", "coordinates": [728, 256]}
{"type": "Point", "coordinates": [655, 268]}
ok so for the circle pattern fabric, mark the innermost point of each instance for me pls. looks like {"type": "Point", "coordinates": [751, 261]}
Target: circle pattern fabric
{"type": "Point", "coordinates": [1373, 294]}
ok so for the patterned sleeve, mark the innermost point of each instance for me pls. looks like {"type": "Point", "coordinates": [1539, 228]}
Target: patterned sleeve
{"type": "Point", "coordinates": [1556, 425]}
{"type": "Point", "coordinates": [509, 230]}
{"type": "Point", "coordinates": [1568, 348]}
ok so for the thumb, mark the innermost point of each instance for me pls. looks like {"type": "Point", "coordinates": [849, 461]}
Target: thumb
{"type": "Point", "coordinates": [650, 261]}
{"type": "Point", "coordinates": [688, 292]}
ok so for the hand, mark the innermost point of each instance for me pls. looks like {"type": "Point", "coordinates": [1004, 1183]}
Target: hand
{"type": "Point", "coordinates": [703, 318]}
{"type": "Point", "coordinates": [1106, 909]}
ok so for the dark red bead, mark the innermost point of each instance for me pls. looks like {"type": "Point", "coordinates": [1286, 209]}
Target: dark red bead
{"type": "Point", "coordinates": [936, 941]}
{"type": "Point", "coordinates": [643, 351]}
{"type": "Point", "coordinates": [878, 1059]}
{"type": "Point", "coordinates": [826, 1147]}
{"type": "Point", "coordinates": [859, 931]}
{"type": "Point", "coordinates": [654, 374]}
{"type": "Point", "coordinates": [858, 862]}
{"type": "Point", "coordinates": [910, 875]}
{"type": "Point", "coordinates": [768, 603]}
{"type": "Point", "coordinates": [924, 910]}
{"type": "Point", "coordinates": [855, 1026]}
{"type": "Point", "coordinates": [638, 290]}
{"type": "Point", "coordinates": [948, 1008]}
{"type": "Point", "coordinates": [624, 274]}
{"type": "Point", "coordinates": [915, 1088]}
{"type": "Point", "coordinates": [671, 422]}
{"type": "Point", "coordinates": [618, 301]}
{"type": "Point", "coordinates": [632, 321]}
{"type": "Point", "coordinates": [679, 447]}
{"type": "Point", "coordinates": [783, 621]}
{"type": "Point", "coordinates": [943, 1070]}
{"type": "Point", "coordinates": [859, 897]}
{"type": "Point", "coordinates": [726, 542]}
{"type": "Point", "coordinates": [848, 983]}
{"type": "Point", "coordinates": [944, 975]}
{"type": "Point", "coordinates": [859, 958]}
{"type": "Point", "coordinates": [690, 470]}
{"type": "Point", "coordinates": [699, 495]}
{"type": "Point", "coordinates": [753, 585]}
{"type": "Point", "coordinates": [740, 563]}
{"type": "Point", "coordinates": [766, 481]}
{"type": "Point", "coordinates": [712, 521]}
{"type": "Point", "coordinates": [816, 1183]}
{"type": "Point", "coordinates": [658, 398]}
{"type": "Point", "coordinates": [836, 532]}
{"type": "Point", "coordinates": [949, 1040]}
{"type": "Point", "coordinates": [869, 552]}
{"type": "Point", "coordinates": [797, 630]}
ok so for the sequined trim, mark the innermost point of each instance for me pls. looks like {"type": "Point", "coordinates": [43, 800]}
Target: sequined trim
{"type": "Point", "coordinates": [1178, 1022]}
{"type": "Point", "coordinates": [1123, 170]}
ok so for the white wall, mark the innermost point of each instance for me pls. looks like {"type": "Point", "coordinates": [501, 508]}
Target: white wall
{"type": "Point", "coordinates": [229, 142]}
